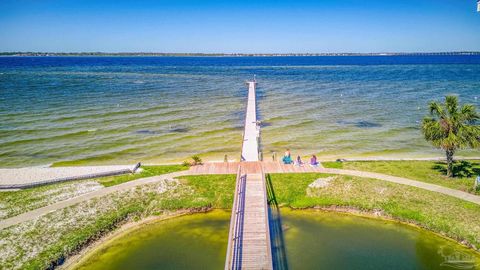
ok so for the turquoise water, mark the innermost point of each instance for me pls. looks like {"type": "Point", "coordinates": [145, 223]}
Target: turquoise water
{"type": "Point", "coordinates": [106, 110]}
{"type": "Point", "coordinates": [313, 240]}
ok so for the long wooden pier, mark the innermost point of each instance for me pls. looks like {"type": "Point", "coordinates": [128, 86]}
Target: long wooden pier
{"type": "Point", "coordinates": [249, 244]}
{"type": "Point", "coordinates": [251, 131]}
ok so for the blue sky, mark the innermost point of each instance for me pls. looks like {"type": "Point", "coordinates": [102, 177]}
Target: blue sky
{"type": "Point", "coordinates": [239, 26]}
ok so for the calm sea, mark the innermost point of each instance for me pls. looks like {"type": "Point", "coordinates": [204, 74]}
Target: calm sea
{"type": "Point", "coordinates": [108, 110]}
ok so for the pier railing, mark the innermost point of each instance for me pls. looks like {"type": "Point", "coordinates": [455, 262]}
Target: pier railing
{"type": "Point", "coordinates": [267, 222]}
{"type": "Point", "coordinates": [234, 249]}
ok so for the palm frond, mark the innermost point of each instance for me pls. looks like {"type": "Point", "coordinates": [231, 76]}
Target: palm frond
{"type": "Point", "coordinates": [470, 134]}
{"type": "Point", "coordinates": [433, 131]}
{"type": "Point", "coordinates": [451, 104]}
{"type": "Point", "coordinates": [469, 114]}
{"type": "Point", "coordinates": [436, 109]}
{"type": "Point", "coordinates": [451, 128]}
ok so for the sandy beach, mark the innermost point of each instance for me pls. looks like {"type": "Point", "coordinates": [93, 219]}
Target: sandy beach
{"type": "Point", "coordinates": [29, 175]}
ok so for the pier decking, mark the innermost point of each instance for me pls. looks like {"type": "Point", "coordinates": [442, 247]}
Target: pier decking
{"type": "Point", "coordinates": [249, 244]}
{"type": "Point", "coordinates": [251, 131]}
{"type": "Point", "coordinates": [249, 238]}
{"type": "Point", "coordinates": [253, 167]}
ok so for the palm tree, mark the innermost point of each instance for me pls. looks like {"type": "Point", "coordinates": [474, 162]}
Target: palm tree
{"type": "Point", "coordinates": [451, 128]}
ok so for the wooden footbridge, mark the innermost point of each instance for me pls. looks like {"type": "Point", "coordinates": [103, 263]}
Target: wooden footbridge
{"type": "Point", "coordinates": [249, 237]}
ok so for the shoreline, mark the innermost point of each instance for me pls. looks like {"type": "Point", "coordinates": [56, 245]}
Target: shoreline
{"type": "Point", "coordinates": [78, 256]}
{"type": "Point", "coordinates": [348, 159]}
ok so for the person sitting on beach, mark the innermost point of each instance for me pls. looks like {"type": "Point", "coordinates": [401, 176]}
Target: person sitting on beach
{"type": "Point", "coordinates": [299, 161]}
{"type": "Point", "coordinates": [313, 161]}
{"type": "Point", "coordinates": [287, 159]}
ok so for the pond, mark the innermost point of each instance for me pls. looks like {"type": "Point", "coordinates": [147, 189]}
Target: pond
{"type": "Point", "coordinates": [312, 240]}
{"type": "Point", "coordinates": [340, 241]}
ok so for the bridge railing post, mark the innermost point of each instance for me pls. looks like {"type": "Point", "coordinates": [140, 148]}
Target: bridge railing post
{"type": "Point", "coordinates": [230, 262]}
{"type": "Point", "coordinates": [267, 223]}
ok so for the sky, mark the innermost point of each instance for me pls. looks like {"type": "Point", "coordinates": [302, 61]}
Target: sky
{"type": "Point", "coordinates": [204, 26]}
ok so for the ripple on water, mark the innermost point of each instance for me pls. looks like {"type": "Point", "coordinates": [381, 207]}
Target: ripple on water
{"type": "Point", "coordinates": [78, 108]}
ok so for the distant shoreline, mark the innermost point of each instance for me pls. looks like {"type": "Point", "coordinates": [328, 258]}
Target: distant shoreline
{"type": "Point", "coordinates": [46, 54]}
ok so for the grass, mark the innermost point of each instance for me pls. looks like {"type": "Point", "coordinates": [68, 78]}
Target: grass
{"type": "Point", "coordinates": [70, 241]}
{"type": "Point", "coordinates": [446, 215]}
{"type": "Point", "coordinates": [13, 203]}
{"type": "Point", "coordinates": [16, 202]}
{"type": "Point", "coordinates": [37, 243]}
{"type": "Point", "coordinates": [147, 171]}
{"type": "Point", "coordinates": [200, 192]}
{"type": "Point", "coordinates": [53, 237]}
{"type": "Point", "coordinates": [426, 171]}
{"type": "Point", "coordinates": [214, 191]}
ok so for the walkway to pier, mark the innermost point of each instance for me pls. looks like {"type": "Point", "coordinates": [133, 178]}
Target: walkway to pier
{"type": "Point", "coordinates": [249, 238]}
{"type": "Point", "coordinates": [253, 167]}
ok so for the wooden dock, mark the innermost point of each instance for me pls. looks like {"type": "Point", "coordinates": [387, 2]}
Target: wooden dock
{"type": "Point", "coordinates": [253, 167]}
{"type": "Point", "coordinates": [249, 238]}
{"type": "Point", "coordinates": [249, 244]}
{"type": "Point", "coordinates": [251, 131]}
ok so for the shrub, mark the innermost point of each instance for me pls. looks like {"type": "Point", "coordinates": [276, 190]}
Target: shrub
{"type": "Point", "coordinates": [196, 160]}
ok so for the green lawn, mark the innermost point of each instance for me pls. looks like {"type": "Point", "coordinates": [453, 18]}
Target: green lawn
{"type": "Point", "coordinates": [447, 215]}
{"type": "Point", "coordinates": [425, 171]}
{"type": "Point", "coordinates": [199, 192]}
{"type": "Point", "coordinates": [214, 191]}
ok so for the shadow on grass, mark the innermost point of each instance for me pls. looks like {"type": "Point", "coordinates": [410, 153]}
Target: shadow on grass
{"type": "Point", "coordinates": [461, 168]}
{"type": "Point", "coordinates": [279, 254]}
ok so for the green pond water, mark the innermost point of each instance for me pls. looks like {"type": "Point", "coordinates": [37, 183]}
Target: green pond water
{"type": "Point", "coordinates": [312, 240]}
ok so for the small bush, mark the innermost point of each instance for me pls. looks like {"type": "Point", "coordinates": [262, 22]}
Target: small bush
{"type": "Point", "coordinates": [196, 160]}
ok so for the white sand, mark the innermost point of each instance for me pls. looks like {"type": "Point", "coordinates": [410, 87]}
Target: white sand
{"type": "Point", "coordinates": [28, 175]}
{"type": "Point", "coordinates": [321, 182]}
